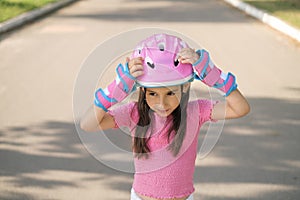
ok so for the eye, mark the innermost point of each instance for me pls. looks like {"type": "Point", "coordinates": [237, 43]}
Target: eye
{"type": "Point", "coordinates": [171, 93]}
{"type": "Point", "coordinates": [149, 62]}
{"type": "Point", "coordinates": [151, 65]}
{"type": "Point", "coordinates": [152, 94]}
{"type": "Point", "coordinates": [176, 62]}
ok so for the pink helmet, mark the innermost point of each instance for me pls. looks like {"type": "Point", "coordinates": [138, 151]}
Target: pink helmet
{"type": "Point", "coordinates": [161, 68]}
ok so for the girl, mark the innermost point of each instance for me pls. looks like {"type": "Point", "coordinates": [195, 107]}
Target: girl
{"type": "Point", "coordinates": [164, 124]}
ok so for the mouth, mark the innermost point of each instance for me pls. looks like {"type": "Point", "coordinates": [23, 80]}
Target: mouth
{"type": "Point", "coordinates": [164, 111]}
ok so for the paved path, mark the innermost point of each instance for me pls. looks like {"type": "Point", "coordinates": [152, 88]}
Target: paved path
{"type": "Point", "coordinates": [257, 157]}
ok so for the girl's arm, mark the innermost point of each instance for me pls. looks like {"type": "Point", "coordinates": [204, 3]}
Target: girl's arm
{"type": "Point", "coordinates": [96, 117]}
{"type": "Point", "coordinates": [235, 105]}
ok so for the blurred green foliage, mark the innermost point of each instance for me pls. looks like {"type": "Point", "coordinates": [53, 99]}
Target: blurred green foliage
{"type": "Point", "coordinates": [287, 10]}
{"type": "Point", "coordinates": [12, 8]}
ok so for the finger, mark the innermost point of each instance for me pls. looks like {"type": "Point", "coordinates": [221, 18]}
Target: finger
{"type": "Point", "coordinates": [137, 74]}
{"type": "Point", "coordinates": [188, 61]}
{"type": "Point", "coordinates": [137, 71]}
{"type": "Point", "coordinates": [186, 50]}
{"type": "Point", "coordinates": [179, 54]}
{"type": "Point", "coordinates": [184, 57]}
{"type": "Point", "coordinates": [185, 61]}
{"type": "Point", "coordinates": [185, 53]}
{"type": "Point", "coordinates": [136, 61]}
{"type": "Point", "coordinates": [136, 68]}
{"type": "Point", "coordinates": [139, 58]}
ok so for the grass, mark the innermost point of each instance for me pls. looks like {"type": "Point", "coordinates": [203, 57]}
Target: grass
{"type": "Point", "coordinates": [287, 10]}
{"type": "Point", "coordinates": [13, 8]}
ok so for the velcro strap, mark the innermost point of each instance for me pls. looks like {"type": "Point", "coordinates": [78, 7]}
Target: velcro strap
{"type": "Point", "coordinates": [105, 99]}
{"type": "Point", "coordinates": [118, 93]}
{"type": "Point", "coordinates": [124, 77]}
{"type": "Point", "coordinates": [102, 100]}
{"type": "Point", "coordinates": [212, 77]}
{"type": "Point", "coordinates": [227, 85]}
{"type": "Point", "coordinates": [200, 66]}
{"type": "Point", "coordinates": [230, 84]}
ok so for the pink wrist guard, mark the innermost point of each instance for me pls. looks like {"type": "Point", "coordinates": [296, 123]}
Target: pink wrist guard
{"type": "Point", "coordinates": [211, 75]}
{"type": "Point", "coordinates": [118, 90]}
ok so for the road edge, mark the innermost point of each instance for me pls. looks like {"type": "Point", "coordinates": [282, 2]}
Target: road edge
{"type": "Point", "coordinates": [266, 18]}
{"type": "Point", "coordinates": [32, 15]}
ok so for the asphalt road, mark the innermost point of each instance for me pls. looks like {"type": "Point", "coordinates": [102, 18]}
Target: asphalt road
{"type": "Point", "coordinates": [41, 155]}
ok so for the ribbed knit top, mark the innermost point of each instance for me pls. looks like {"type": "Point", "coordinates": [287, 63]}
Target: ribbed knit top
{"type": "Point", "coordinates": [162, 175]}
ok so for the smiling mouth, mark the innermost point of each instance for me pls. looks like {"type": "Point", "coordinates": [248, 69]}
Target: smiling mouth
{"type": "Point", "coordinates": [163, 111]}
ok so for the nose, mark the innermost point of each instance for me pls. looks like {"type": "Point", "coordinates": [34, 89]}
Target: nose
{"type": "Point", "coordinates": [162, 102]}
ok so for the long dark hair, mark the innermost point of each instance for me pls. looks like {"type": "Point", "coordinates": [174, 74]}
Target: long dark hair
{"type": "Point", "coordinates": [179, 116]}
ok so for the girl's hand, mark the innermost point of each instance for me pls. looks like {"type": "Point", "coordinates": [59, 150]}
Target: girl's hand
{"type": "Point", "coordinates": [135, 66]}
{"type": "Point", "coordinates": [187, 55]}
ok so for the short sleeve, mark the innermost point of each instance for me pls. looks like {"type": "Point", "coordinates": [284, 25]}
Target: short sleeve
{"type": "Point", "coordinates": [125, 115]}
{"type": "Point", "coordinates": [205, 110]}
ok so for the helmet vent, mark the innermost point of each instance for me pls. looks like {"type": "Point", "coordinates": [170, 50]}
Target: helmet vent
{"type": "Point", "coordinates": [161, 47]}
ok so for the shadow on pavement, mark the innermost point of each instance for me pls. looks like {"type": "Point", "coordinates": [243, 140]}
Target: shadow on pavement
{"type": "Point", "coordinates": [165, 11]}
{"type": "Point", "coordinates": [261, 153]}
{"type": "Point", "coordinates": [260, 150]}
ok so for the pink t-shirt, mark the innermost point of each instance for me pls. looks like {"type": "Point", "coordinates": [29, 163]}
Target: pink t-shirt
{"type": "Point", "coordinates": [162, 175]}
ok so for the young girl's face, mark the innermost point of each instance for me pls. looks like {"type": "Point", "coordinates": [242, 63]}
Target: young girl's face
{"type": "Point", "coordinates": [163, 100]}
